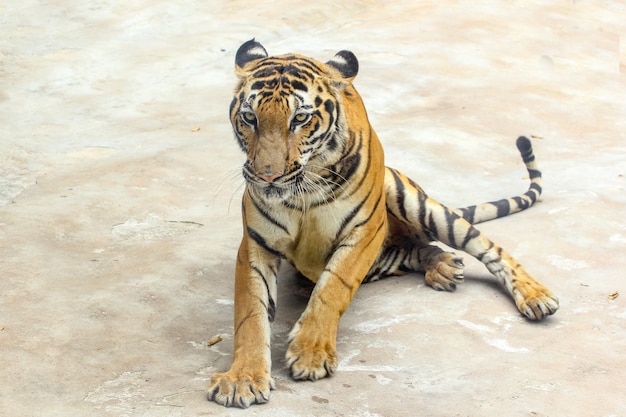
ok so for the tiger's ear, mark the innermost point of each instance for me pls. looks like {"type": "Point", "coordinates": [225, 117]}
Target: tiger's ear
{"type": "Point", "coordinates": [346, 64]}
{"type": "Point", "coordinates": [248, 52]}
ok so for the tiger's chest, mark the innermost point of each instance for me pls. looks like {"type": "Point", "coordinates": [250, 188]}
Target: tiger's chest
{"type": "Point", "coordinates": [309, 239]}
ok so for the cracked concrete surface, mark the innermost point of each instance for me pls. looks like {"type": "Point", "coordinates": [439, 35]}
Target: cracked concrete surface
{"type": "Point", "coordinates": [120, 187]}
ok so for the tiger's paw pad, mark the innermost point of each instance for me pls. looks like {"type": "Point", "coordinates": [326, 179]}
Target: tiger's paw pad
{"type": "Point", "coordinates": [312, 363]}
{"type": "Point", "coordinates": [445, 271]}
{"type": "Point", "coordinates": [239, 390]}
{"type": "Point", "coordinates": [535, 301]}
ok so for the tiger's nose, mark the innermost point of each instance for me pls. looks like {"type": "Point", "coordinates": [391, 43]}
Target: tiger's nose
{"type": "Point", "coordinates": [268, 176]}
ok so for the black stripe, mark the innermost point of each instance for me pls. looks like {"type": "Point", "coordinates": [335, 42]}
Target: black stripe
{"type": "Point", "coordinates": [503, 206]}
{"type": "Point", "coordinates": [369, 160]}
{"type": "Point", "coordinates": [421, 208]}
{"type": "Point", "coordinates": [261, 242]}
{"type": "Point", "coordinates": [341, 279]}
{"type": "Point", "coordinates": [258, 85]}
{"type": "Point", "coordinates": [387, 265]}
{"type": "Point", "coordinates": [298, 85]}
{"type": "Point", "coordinates": [290, 63]}
{"type": "Point", "coordinates": [378, 229]}
{"type": "Point", "coordinates": [352, 142]}
{"type": "Point", "coordinates": [331, 144]}
{"type": "Point", "coordinates": [271, 63]}
{"type": "Point", "coordinates": [351, 215]}
{"type": "Point", "coordinates": [521, 203]}
{"type": "Point", "coordinates": [305, 63]}
{"type": "Point", "coordinates": [245, 319]}
{"type": "Point", "coordinates": [525, 148]}
{"type": "Point", "coordinates": [481, 255]}
{"type": "Point", "coordinates": [451, 217]}
{"type": "Point", "coordinates": [528, 157]}
{"type": "Point", "coordinates": [432, 226]}
{"type": "Point", "coordinates": [371, 212]}
{"type": "Point", "coordinates": [472, 233]}
{"type": "Point", "coordinates": [266, 71]}
{"type": "Point", "coordinates": [300, 73]}
{"type": "Point", "coordinates": [469, 213]}
{"type": "Point", "coordinates": [232, 106]}
{"type": "Point", "coordinates": [399, 194]}
{"type": "Point", "coordinates": [329, 106]}
{"type": "Point", "coordinates": [292, 73]}
{"type": "Point", "coordinates": [268, 217]}
{"type": "Point", "coordinates": [271, 309]}
{"type": "Point", "coordinates": [531, 195]}
{"type": "Point", "coordinates": [536, 187]}
{"type": "Point", "coordinates": [350, 165]}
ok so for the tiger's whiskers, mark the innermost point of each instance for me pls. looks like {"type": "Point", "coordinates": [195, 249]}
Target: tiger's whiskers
{"type": "Point", "coordinates": [231, 181]}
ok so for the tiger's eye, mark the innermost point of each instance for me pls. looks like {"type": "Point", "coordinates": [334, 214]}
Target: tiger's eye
{"type": "Point", "coordinates": [300, 118]}
{"type": "Point", "coordinates": [249, 117]}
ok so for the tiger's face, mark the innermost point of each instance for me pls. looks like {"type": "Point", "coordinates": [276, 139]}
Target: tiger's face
{"type": "Point", "coordinates": [287, 119]}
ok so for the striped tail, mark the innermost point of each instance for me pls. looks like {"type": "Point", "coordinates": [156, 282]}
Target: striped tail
{"type": "Point", "coordinates": [500, 208]}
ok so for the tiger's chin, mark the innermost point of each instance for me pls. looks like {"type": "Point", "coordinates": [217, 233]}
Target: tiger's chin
{"type": "Point", "coordinates": [271, 193]}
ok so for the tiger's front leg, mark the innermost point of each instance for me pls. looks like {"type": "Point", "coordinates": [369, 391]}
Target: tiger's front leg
{"type": "Point", "coordinates": [249, 379]}
{"type": "Point", "coordinates": [312, 350]}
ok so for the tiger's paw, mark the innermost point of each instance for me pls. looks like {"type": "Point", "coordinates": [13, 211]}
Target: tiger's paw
{"type": "Point", "coordinates": [444, 271]}
{"type": "Point", "coordinates": [533, 300]}
{"type": "Point", "coordinates": [312, 364]}
{"type": "Point", "coordinates": [240, 390]}
{"type": "Point", "coordinates": [309, 358]}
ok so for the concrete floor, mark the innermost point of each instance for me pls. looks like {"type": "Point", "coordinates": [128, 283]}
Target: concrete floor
{"type": "Point", "coordinates": [120, 187]}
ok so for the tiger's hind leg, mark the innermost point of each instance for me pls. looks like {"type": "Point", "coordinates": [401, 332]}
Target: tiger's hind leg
{"type": "Point", "coordinates": [410, 205]}
{"type": "Point", "coordinates": [442, 270]}
{"type": "Point", "coordinates": [406, 251]}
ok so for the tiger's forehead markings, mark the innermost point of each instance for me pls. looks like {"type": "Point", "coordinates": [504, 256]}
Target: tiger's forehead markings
{"type": "Point", "coordinates": [292, 60]}
{"type": "Point", "coordinates": [289, 72]}
{"type": "Point", "coordinates": [281, 79]}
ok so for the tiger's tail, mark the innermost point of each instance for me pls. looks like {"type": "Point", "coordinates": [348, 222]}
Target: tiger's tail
{"type": "Point", "coordinates": [500, 208]}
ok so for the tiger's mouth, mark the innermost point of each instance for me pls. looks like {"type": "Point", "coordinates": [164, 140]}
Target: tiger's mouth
{"type": "Point", "coordinates": [282, 187]}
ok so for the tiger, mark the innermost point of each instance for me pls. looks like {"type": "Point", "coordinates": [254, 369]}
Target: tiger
{"type": "Point", "coordinates": [318, 195]}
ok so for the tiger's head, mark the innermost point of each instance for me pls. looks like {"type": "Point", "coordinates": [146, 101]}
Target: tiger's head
{"type": "Point", "coordinates": [288, 118]}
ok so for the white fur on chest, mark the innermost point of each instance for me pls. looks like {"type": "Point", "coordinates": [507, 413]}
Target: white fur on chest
{"type": "Point", "coordinates": [311, 236]}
